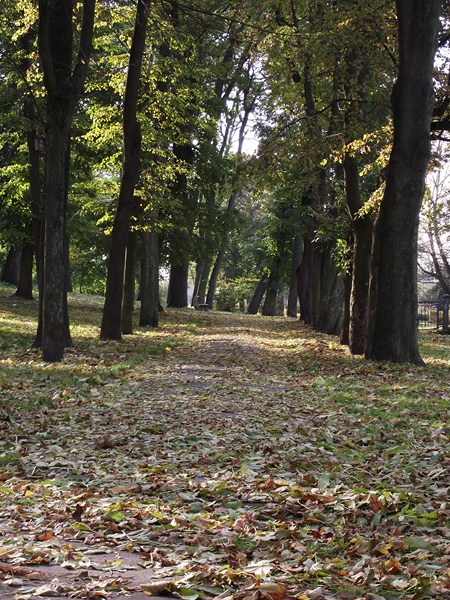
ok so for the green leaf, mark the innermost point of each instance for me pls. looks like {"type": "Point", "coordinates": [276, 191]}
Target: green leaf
{"type": "Point", "coordinates": [416, 543]}
{"type": "Point", "coordinates": [115, 515]}
{"type": "Point", "coordinates": [189, 593]}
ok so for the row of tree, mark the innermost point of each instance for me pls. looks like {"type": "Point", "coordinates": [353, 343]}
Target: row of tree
{"type": "Point", "coordinates": [124, 128]}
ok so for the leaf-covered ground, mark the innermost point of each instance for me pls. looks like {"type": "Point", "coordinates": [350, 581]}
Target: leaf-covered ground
{"type": "Point", "coordinates": [221, 456]}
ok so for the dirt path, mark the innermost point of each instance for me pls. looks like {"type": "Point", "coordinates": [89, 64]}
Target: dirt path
{"type": "Point", "coordinates": [145, 437]}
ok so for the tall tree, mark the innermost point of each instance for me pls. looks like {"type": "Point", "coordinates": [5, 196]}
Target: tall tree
{"type": "Point", "coordinates": [150, 280]}
{"type": "Point", "coordinates": [392, 330]}
{"type": "Point", "coordinates": [360, 84]}
{"type": "Point", "coordinates": [64, 83]}
{"type": "Point", "coordinates": [132, 139]}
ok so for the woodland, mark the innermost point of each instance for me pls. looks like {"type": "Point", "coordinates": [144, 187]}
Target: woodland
{"type": "Point", "coordinates": [124, 160]}
{"type": "Point", "coordinates": [214, 216]}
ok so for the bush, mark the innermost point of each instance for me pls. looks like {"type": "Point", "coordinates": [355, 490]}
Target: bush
{"type": "Point", "coordinates": [234, 294]}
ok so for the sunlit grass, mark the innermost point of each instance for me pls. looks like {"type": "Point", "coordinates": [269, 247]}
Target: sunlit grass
{"type": "Point", "coordinates": [278, 344]}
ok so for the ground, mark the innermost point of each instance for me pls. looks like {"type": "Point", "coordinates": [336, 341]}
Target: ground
{"type": "Point", "coordinates": [221, 456]}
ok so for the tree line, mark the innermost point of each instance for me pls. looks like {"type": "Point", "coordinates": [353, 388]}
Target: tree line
{"type": "Point", "coordinates": [123, 150]}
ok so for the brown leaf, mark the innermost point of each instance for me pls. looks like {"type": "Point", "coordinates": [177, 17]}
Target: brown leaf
{"type": "Point", "coordinates": [47, 536]}
{"type": "Point", "coordinates": [78, 512]}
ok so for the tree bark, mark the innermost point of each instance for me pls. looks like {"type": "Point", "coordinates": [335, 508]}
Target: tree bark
{"type": "Point", "coordinates": [111, 328]}
{"type": "Point", "coordinates": [204, 281]}
{"type": "Point", "coordinates": [25, 283]}
{"type": "Point", "coordinates": [11, 266]}
{"type": "Point", "coordinates": [297, 250]}
{"type": "Point", "coordinates": [179, 269]}
{"type": "Point", "coordinates": [129, 284]}
{"type": "Point", "coordinates": [392, 331]}
{"type": "Point", "coordinates": [362, 246]}
{"type": "Point", "coordinates": [198, 275]}
{"type": "Point", "coordinates": [223, 246]}
{"type": "Point", "coordinates": [37, 223]}
{"type": "Point", "coordinates": [150, 285]}
{"type": "Point", "coordinates": [281, 302]}
{"type": "Point", "coordinates": [258, 294]}
{"type": "Point", "coordinates": [177, 295]}
{"type": "Point", "coordinates": [345, 329]}
{"type": "Point", "coordinates": [64, 88]}
{"type": "Point", "coordinates": [328, 310]}
{"type": "Point", "coordinates": [320, 289]}
{"type": "Point", "coordinates": [215, 274]}
{"type": "Point", "coordinates": [304, 284]}
{"type": "Point", "coordinates": [55, 333]}
{"type": "Point", "coordinates": [270, 301]}
{"type": "Point", "coordinates": [442, 273]}
{"type": "Point", "coordinates": [201, 280]}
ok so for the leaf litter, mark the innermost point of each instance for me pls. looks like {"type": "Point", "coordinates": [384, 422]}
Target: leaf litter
{"type": "Point", "coordinates": [250, 459]}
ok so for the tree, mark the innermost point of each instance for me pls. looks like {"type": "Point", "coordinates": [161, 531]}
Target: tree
{"type": "Point", "coordinates": [258, 294]}
{"type": "Point", "coordinates": [20, 188]}
{"type": "Point", "coordinates": [111, 328]}
{"type": "Point", "coordinates": [150, 279]}
{"type": "Point", "coordinates": [247, 108]}
{"type": "Point", "coordinates": [392, 330]}
{"type": "Point", "coordinates": [11, 267]}
{"type": "Point", "coordinates": [363, 118]}
{"type": "Point", "coordinates": [64, 85]}
{"type": "Point", "coordinates": [296, 149]}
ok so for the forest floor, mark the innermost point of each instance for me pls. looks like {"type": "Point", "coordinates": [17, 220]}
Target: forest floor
{"type": "Point", "coordinates": [220, 456]}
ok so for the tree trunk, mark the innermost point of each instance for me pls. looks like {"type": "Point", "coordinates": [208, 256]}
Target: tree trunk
{"type": "Point", "coordinates": [64, 88]}
{"type": "Point", "coordinates": [258, 294]}
{"type": "Point", "coordinates": [297, 250]}
{"type": "Point", "coordinates": [329, 303]}
{"type": "Point", "coordinates": [201, 279]}
{"type": "Point", "coordinates": [320, 289]}
{"type": "Point", "coordinates": [270, 301]}
{"type": "Point", "coordinates": [392, 331]}
{"type": "Point", "coordinates": [281, 302]}
{"type": "Point", "coordinates": [178, 286]}
{"type": "Point", "coordinates": [223, 246]}
{"type": "Point", "coordinates": [111, 328]}
{"type": "Point", "coordinates": [129, 284]}
{"type": "Point", "coordinates": [345, 329]}
{"type": "Point", "coordinates": [442, 276]}
{"type": "Point", "coordinates": [362, 246]}
{"type": "Point", "coordinates": [55, 331]}
{"type": "Point", "coordinates": [204, 282]}
{"type": "Point", "coordinates": [198, 276]}
{"type": "Point", "coordinates": [11, 266]}
{"type": "Point", "coordinates": [304, 284]}
{"type": "Point", "coordinates": [179, 269]}
{"type": "Point", "coordinates": [37, 223]}
{"type": "Point", "coordinates": [150, 288]}
{"type": "Point", "coordinates": [215, 275]}
{"type": "Point", "coordinates": [359, 300]}
{"type": "Point", "coordinates": [25, 284]}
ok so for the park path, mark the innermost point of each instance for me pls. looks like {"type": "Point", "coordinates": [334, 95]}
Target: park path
{"type": "Point", "coordinates": [165, 417]}
{"type": "Point", "coordinates": [242, 461]}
